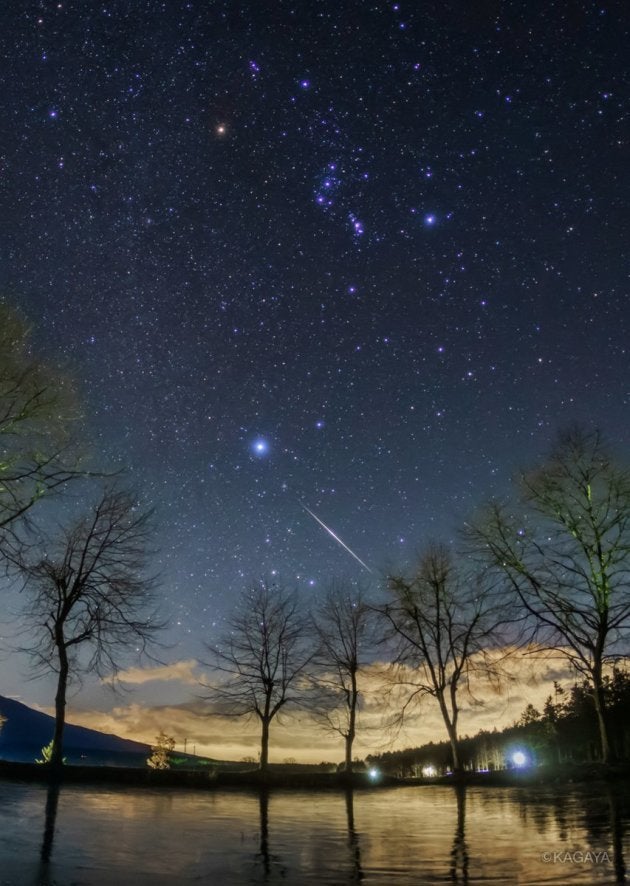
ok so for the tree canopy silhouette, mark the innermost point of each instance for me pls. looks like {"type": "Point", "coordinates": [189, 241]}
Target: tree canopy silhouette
{"type": "Point", "coordinates": [38, 412]}
{"type": "Point", "coordinates": [341, 628]}
{"type": "Point", "coordinates": [442, 627]}
{"type": "Point", "coordinates": [261, 659]}
{"type": "Point", "coordinates": [91, 602]}
{"type": "Point", "coordinates": [564, 553]}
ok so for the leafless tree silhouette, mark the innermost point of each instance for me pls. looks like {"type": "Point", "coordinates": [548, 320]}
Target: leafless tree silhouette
{"type": "Point", "coordinates": [91, 601]}
{"type": "Point", "coordinates": [341, 627]}
{"type": "Point", "coordinates": [261, 659]}
{"type": "Point", "coordinates": [442, 628]}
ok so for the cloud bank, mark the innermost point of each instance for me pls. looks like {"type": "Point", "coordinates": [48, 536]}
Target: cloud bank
{"type": "Point", "coordinates": [198, 726]}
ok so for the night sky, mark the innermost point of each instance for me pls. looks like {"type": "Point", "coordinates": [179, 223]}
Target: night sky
{"type": "Point", "coordinates": [368, 257]}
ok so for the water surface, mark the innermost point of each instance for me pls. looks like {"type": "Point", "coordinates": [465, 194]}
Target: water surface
{"type": "Point", "coordinates": [96, 836]}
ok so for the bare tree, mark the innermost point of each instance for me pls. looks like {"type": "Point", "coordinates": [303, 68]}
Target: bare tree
{"type": "Point", "coordinates": [37, 416]}
{"type": "Point", "coordinates": [91, 601]}
{"type": "Point", "coordinates": [443, 629]}
{"type": "Point", "coordinates": [565, 555]}
{"type": "Point", "coordinates": [261, 659]}
{"type": "Point", "coordinates": [341, 626]}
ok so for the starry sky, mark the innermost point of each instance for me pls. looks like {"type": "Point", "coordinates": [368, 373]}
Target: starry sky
{"type": "Point", "coordinates": [366, 257]}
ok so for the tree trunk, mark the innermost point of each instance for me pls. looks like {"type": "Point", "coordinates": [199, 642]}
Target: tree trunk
{"type": "Point", "coordinates": [451, 728]}
{"type": "Point", "coordinates": [600, 710]}
{"type": "Point", "coordinates": [56, 757]}
{"type": "Point", "coordinates": [351, 723]}
{"type": "Point", "coordinates": [457, 766]}
{"type": "Point", "coordinates": [348, 760]}
{"type": "Point", "coordinates": [264, 745]}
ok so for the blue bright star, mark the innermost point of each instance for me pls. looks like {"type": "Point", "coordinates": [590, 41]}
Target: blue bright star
{"type": "Point", "coordinates": [260, 447]}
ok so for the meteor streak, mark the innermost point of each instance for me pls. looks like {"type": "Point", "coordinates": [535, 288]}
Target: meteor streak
{"type": "Point", "coordinates": [336, 537]}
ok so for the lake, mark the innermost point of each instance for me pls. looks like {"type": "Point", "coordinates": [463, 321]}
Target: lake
{"type": "Point", "coordinates": [408, 835]}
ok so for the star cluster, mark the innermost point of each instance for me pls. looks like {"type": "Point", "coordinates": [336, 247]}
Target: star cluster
{"type": "Point", "coordinates": [364, 255]}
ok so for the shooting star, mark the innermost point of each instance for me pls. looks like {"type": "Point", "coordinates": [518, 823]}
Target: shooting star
{"type": "Point", "coordinates": [336, 537]}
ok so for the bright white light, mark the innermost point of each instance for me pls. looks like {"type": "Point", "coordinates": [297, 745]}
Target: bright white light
{"type": "Point", "coordinates": [429, 771]}
{"type": "Point", "coordinates": [260, 447]}
{"type": "Point", "coordinates": [373, 774]}
{"type": "Point", "coordinates": [519, 758]}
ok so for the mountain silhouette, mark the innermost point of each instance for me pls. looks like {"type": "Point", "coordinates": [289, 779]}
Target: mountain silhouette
{"type": "Point", "coordinates": [26, 732]}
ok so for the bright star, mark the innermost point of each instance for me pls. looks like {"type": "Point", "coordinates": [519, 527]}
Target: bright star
{"type": "Point", "coordinates": [260, 447]}
{"type": "Point", "coordinates": [357, 225]}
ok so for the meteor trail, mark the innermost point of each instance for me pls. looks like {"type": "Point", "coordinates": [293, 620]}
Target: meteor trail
{"type": "Point", "coordinates": [336, 537]}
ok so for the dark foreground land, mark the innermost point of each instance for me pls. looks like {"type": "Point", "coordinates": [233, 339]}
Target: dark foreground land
{"type": "Point", "coordinates": [278, 777]}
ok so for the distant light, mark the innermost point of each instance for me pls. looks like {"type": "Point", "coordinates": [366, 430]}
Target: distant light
{"type": "Point", "coordinates": [519, 758]}
{"type": "Point", "coordinates": [373, 774]}
{"type": "Point", "coordinates": [429, 220]}
{"type": "Point", "coordinates": [429, 771]}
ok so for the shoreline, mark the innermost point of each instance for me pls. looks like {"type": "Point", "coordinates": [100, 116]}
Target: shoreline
{"type": "Point", "coordinates": [255, 779]}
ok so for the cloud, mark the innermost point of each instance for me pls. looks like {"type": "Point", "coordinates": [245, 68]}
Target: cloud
{"type": "Point", "coordinates": [193, 725]}
{"type": "Point", "coordinates": [201, 727]}
{"type": "Point", "coordinates": [178, 671]}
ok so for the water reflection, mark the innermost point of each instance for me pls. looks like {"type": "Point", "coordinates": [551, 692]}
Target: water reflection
{"type": "Point", "coordinates": [271, 863]}
{"type": "Point", "coordinates": [459, 853]}
{"type": "Point", "coordinates": [107, 836]}
{"type": "Point", "coordinates": [356, 872]}
{"type": "Point", "coordinates": [617, 829]}
{"type": "Point", "coordinates": [50, 819]}
{"type": "Point", "coordinates": [604, 823]}
{"type": "Point", "coordinates": [586, 819]}
{"type": "Point", "coordinates": [263, 807]}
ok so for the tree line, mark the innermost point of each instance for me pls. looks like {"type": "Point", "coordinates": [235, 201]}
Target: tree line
{"type": "Point", "coordinates": [547, 569]}
{"type": "Point", "coordinates": [564, 732]}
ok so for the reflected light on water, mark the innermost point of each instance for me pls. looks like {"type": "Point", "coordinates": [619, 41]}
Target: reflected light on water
{"type": "Point", "coordinates": [381, 836]}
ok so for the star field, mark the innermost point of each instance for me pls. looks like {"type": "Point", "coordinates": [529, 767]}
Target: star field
{"type": "Point", "coordinates": [366, 256]}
